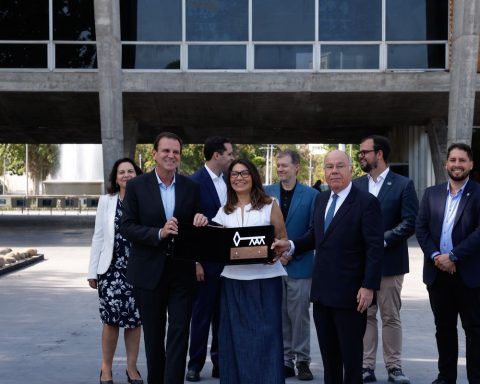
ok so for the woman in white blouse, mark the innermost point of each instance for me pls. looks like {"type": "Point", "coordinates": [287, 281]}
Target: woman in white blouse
{"type": "Point", "coordinates": [250, 333]}
{"type": "Point", "coordinates": [106, 273]}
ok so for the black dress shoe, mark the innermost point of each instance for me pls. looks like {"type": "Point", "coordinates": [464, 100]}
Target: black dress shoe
{"type": "Point", "coordinates": [134, 381]}
{"type": "Point", "coordinates": [440, 381]}
{"type": "Point", "coordinates": [289, 371]}
{"type": "Point", "coordinates": [105, 381]}
{"type": "Point", "coordinates": [215, 372]}
{"type": "Point", "coordinates": [192, 375]}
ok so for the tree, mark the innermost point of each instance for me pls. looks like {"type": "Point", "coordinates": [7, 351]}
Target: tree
{"type": "Point", "coordinates": [42, 160]}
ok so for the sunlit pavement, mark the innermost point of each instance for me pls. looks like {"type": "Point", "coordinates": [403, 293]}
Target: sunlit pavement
{"type": "Point", "coordinates": [50, 327]}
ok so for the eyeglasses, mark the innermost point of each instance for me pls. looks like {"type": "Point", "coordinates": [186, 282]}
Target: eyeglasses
{"type": "Point", "coordinates": [361, 154]}
{"type": "Point", "coordinates": [244, 174]}
{"type": "Point", "coordinates": [331, 167]}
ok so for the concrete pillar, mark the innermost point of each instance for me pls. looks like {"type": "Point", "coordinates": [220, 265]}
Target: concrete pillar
{"type": "Point", "coordinates": [437, 138]}
{"type": "Point", "coordinates": [109, 57]}
{"type": "Point", "coordinates": [463, 72]}
{"type": "Point", "coordinates": [130, 137]}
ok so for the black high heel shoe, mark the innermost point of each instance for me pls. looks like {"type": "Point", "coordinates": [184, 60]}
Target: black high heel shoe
{"type": "Point", "coordinates": [136, 381]}
{"type": "Point", "coordinates": [105, 381]}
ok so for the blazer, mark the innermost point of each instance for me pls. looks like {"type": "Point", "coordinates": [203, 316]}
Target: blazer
{"type": "Point", "coordinates": [399, 204]}
{"type": "Point", "coordinates": [298, 221]}
{"type": "Point", "coordinates": [142, 219]}
{"type": "Point", "coordinates": [101, 252]}
{"type": "Point", "coordinates": [349, 255]}
{"type": "Point", "coordinates": [209, 205]}
{"type": "Point", "coordinates": [465, 234]}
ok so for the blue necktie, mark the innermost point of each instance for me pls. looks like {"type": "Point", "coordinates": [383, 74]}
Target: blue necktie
{"type": "Point", "coordinates": [330, 213]}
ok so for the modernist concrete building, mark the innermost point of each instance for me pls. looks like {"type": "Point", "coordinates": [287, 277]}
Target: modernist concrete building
{"type": "Point", "coordinates": [117, 72]}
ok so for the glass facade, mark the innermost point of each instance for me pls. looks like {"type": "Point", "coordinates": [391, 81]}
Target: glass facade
{"type": "Point", "coordinates": [350, 20]}
{"type": "Point", "coordinates": [217, 57]}
{"type": "Point", "coordinates": [283, 20]}
{"type": "Point", "coordinates": [239, 35]}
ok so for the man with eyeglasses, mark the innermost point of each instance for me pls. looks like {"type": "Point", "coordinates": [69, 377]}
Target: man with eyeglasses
{"type": "Point", "coordinates": [296, 202]}
{"type": "Point", "coordinates": [399, 204]}
{"type": "Point", "coordinates": [347, 236]}
{"type": "Point", "coordinates": [218, 152]}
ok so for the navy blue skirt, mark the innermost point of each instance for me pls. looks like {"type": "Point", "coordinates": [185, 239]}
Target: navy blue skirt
{"type": "Point", "coordinates": [250, 342]}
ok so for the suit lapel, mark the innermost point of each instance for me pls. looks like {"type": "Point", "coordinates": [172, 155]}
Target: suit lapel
{"type": "Point", "coordinates": [154, 189]}
{"type": "Point", "coordinates": [342, 211]}
{"type": "Point", "coordinates": [296, 199]}
{"type": "Point", "coordinates": [322, 208]}
{"type": "Point", "coordinates": [210, 186]}
{"type": "Point", "coordinates": [386, 186]}
{"type": "Point", "coordinates": [463, 201]}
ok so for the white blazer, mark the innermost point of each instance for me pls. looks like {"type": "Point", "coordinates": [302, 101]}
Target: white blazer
{"type": "Point", "coordinates": [101, 252]}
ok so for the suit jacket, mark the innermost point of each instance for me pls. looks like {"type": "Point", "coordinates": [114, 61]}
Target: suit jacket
{"type": "Point", "coordinates": [298, 221]}
{"type": "Point", "coordinates": [101, 252]}
{"type": "Point", "coordinates": [142, 219]}
{"type": "Point", "coordinates": [399, 204]}
{"type": "Point", "coordinates": [465, 234]}
{"type": "Point", "coordinates": [209, 205]}
{"type": "Point", "coordinates": [349, 255]}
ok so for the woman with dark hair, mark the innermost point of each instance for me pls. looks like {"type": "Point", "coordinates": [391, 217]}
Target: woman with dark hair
{"type": "Point", "coordinates": [250, 333]}
{"type": "Point", "coordinates": [106, 273]}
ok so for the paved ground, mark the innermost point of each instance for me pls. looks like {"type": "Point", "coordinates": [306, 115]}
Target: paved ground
{"type": "Point", "coordinates": [49, 323]}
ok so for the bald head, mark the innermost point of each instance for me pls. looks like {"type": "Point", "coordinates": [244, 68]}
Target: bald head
{"type": "Point", "coordinates": [338, 170]}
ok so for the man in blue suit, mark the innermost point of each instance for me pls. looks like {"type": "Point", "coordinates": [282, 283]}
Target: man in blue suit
{"type": "Point", "coordinates": [448, 231]}
{"type": "Point", "coordinates": [218, 153]}
{"type": "Point", "coordinates": [399, 204]}
{"type": "Point", "coordinates": [347, 235]}
{"type": "Point", "coordinates": [296, 202]}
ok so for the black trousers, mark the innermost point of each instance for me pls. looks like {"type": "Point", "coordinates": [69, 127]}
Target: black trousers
{"type": "Point", "coordinates": [340, 336]}
{"type": "Point", "coordinates": [449, 298]}
{"type": "Point", "coordinates": [172, 299]}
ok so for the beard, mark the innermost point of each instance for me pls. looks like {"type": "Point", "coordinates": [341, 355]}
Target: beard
{"type": "Point", "coordinates": [463, 176]}
{"type": "Point", "coordinates": [367, 167]}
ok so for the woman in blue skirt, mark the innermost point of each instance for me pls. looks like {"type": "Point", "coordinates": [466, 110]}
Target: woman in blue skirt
{"type": "Point", "coordinates": [250, 343]}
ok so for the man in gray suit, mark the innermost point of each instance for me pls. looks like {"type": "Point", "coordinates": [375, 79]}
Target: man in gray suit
{"type": "Point", "coordinates": [296, 202]}
{"type": "Point", "coordinates": [399, 205]}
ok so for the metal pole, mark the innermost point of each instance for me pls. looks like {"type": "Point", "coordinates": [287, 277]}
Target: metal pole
{"type": "Point", "coordinates": [26, 168]}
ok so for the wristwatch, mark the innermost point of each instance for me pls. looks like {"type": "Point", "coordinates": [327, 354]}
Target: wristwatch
{"type": "Point", "coordinates": [452, 257]}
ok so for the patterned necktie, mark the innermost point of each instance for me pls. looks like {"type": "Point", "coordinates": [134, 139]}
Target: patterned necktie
{"type": "Point", "coordinates": [330, 212]}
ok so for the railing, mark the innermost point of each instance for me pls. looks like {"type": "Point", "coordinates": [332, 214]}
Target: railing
{"type": "Point", "coordinates": [20, 204]}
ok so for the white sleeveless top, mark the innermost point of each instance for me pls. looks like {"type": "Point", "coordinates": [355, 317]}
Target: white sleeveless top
{"type": "Point", "coordinates": [251, 218]}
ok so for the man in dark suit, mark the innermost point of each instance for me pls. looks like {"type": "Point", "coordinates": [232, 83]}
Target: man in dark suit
{"type": "Point", "coordinates": [218, 153]}
{"type": "Point", "coordinates": [154, 204]}
{"type": "Point", "coordinates": [448, 231]}
{"type": "Point", "coordinates": [348, 238]}
{"type": "Point", "coordinates": [399, 204]}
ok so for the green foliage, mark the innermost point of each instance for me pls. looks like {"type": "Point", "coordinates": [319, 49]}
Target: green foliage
{"type": "Point", "coordinates": [43, 159]}
{"type": "Point", "coordinates": [144, 157]}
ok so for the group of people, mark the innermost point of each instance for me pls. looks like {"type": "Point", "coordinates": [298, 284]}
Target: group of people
{"type": "Point", "coordinates": [345, 250]}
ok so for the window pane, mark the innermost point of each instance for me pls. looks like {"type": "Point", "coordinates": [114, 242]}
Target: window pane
{"type": "Point", "coordinates": [417, 19]}
{"type": "Point", "coordinates": [350, 20]}
{"type": "Point", "coordinates": [24, 20]}
{"type": "Point", "coordinates": [217, 57]}
{"type": "Point", "coordinates": [151, 20]}
{"type": "Point", "coordinates": [349, 57]}
{"type": "Point", "coordinates": [421, 56]}
{"type": "Point", "coordinates": [214, 20]}
{"type": "Point", "coordinates": [76, 56]}
{"type": "Point", "coordinates": [73, 20]}
{"type": "Point", "coordinates": [283, 57]}
{"type": "Point", "coordinates": [23, 56]}
{"type": "Point", "coordinates": [151, 56]}
{"type": "Point", "coordinates": [284, 20]}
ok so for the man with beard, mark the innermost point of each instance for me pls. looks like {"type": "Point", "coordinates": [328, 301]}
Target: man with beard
{"type": "Point", "coordinates": [448, 231]}
{"type": "Point", "coordinates": [399, 204]}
